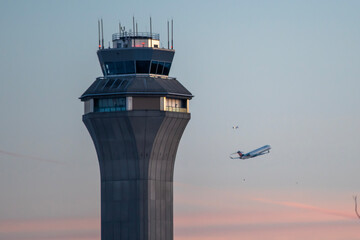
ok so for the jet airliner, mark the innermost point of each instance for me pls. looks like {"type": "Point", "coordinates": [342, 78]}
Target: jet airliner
{"type": "Point", "coordinates": [255, 153]}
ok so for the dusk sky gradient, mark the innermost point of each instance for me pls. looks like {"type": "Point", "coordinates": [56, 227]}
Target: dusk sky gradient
{"type": "Point", "coordinates": [286, 72]}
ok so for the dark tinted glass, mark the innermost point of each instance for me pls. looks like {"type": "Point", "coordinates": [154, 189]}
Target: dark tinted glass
{"type": "Point", "coordinates": [110, 68]}
{"type": "Point", "coordinates": [142, 66]}
{"type": "Point", "coordinates": [130, 67]}
{"type": "Point", "coordinates": [110, 105]}
{"type": "Point", "coordinates": [116, 83]}
{"type": "Point", "coordinates": [153, 67]}
{"type": "Point", "coordinates": [109, 83]}
{"type": "Point", "coordinates": [183, 103]}
{"type": "Point", "coordinates": [120, 68]}
{"type": "Point", "coordinates": [123, 84]}
{"type": "Point", "coordinates": [166, 68]}
{"type": "Point", "coordinates": [160, 68]}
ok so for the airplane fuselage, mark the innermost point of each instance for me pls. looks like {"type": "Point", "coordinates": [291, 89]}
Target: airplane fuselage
{"type": "Point", "coordinates": [257, 152]}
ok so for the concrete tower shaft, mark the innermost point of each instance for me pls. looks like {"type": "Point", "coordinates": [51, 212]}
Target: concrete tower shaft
{"type": "Point", "coordinates": [136, 116]}
{"type": "Point", "coordinates": [136, 152]}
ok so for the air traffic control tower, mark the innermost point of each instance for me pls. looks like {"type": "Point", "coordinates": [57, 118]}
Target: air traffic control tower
{"type": "Point", "coordinates": [136, 115]}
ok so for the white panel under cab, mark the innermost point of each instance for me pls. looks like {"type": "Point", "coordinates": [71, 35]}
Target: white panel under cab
{"type": "Point", "coordinates": [129, 103]}
{"type": "Point", "coordinates": [89, 106]}
{"type": "Point", "coordinates": [163, 104]}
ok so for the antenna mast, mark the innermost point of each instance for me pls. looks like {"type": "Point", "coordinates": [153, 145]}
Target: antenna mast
{"type": "Point", "coordinates": [168, 34]}
{"type": "Point", "coordinates": [151, 33]}
{"type": "Point", "coordinates": [172, 33]}
{"type": "Point", "coordinates": [102, 34]}
{"type": "Point", "coordinates": [99, 33]}
{"type": "Point", "coordinates": [133, 24]}
{"type": "Point", "coordinates": [133, 30]}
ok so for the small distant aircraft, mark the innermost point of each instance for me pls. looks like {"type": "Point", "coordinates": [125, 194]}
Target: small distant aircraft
{"type": "Point", "coordinates": [235, 127]}
{"type": "Point", "coordinates": [255, 153]}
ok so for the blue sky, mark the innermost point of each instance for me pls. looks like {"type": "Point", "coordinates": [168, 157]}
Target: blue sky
{"type": "Point", "coordinates": [286, 72]}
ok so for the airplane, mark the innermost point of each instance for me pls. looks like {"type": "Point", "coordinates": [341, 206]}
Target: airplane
{"type": "Point", "coordinates": [255, 153]}
{"type": "Point", "coordinates": [235, 127]}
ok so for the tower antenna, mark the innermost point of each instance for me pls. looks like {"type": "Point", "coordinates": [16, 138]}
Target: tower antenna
{"type": "Point", "coordinates": [151, 33]}
{"type": "Point", "coordinates": [133, 24]}
{"type": "Point", "coordinates": [120, 28]}
{"type": "Point", "coordinates": [102, 34]}
{"type": "Point", "coordinates": [136, 29]}
{"type": "Point", "coordinates": [172, 33]}
{"type": "Point", "coordinates": [168, 34]}
{"type": "Point", "coordinates": [99, 33]}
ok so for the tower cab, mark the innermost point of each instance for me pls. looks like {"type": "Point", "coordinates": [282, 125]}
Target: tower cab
{"type": "Point", "coordinates": [136, 77]}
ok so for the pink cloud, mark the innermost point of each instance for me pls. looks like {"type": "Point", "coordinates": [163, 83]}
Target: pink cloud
{"type": "Point", "coordinates": [294, 224]}
{"type": "Point", "coordinates": [213, 215]}
{"type": "Point", "coordinates": [309, 207]}
{"type": "Point", "coordinates": [227, 214]}
{"type": "Point", "coordinates": [285, 231]}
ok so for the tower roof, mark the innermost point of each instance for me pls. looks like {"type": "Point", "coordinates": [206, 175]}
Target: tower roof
{"type": "Point", "coordinates": [136, 85]}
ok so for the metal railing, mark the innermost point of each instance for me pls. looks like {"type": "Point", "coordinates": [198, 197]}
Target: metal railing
{"type": "Point", "coordinates": [118, 36]}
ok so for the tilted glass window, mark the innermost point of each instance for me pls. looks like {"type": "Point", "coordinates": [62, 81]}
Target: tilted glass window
{"type": "Point", "coordinates": [109, 83]}
{"type": "Point", "coordinates": [160, 68]}
{"type": "Point", "coordinates": [128, 67]}
{"type": "Point", "coordinates": [123, 67]}
{"type": "Point", "coordinates": [110, 68]}
{"type": "Point", "coordinates": [109, 104]}
{"type": "Point", "coordinates": [154, 65]}
{"type": "Point", "coordinates": [167, 66]}
{"type": "Point", "coordinates": [142, 66]}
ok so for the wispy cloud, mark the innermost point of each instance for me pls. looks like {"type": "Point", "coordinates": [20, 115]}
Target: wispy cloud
{"type": "Point", "coordinates": [308, 207]}
{"type": "Point", "coordinates": [22, 156]}
{"type": "Point", "coordinates": [329, 230]}
{"type": "Point", "coordinates": [227, 214]}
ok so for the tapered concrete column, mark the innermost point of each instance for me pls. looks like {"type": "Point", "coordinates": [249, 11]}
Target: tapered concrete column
{"type": "Point", "coordinates": [136, 152]}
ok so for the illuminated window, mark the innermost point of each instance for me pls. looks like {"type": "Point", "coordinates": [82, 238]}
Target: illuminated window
{"type": "Point", "coordinates": [176, 105]}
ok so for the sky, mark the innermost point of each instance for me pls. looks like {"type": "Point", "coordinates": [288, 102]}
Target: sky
{"type": "Point", "coordinates": [286, 72]}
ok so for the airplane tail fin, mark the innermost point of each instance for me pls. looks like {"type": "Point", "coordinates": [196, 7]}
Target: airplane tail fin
{"type": "Point", "coordinates": [236, 155]}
